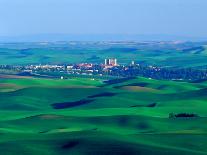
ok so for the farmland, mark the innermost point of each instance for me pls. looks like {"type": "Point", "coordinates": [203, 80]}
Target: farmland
{"type": "Point", "coordinates": [87, 115]}
{"type": "Point", "coordinates": [127, 117]}
{"type": "Point", "coordinates": [171, 54]}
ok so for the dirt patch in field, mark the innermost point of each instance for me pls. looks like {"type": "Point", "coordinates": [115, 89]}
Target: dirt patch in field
{"type": "Point", "coordinates": [46, 117]}
{"type": "Point", "coordinates": [7, 87]}
{"type": "Point", "coordinates": [5, 76]}
{"type": "Point", "coordinates": [139, 89]}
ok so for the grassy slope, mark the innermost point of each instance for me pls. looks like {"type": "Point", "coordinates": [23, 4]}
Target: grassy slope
{"type": "Point", "coordinates": [161, 57]}
{"type": "Point", "coordinates": [121, 124]}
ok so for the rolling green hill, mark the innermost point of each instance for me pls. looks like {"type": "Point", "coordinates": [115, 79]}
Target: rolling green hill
{"type": "Point", "coordinates": [84, 116]}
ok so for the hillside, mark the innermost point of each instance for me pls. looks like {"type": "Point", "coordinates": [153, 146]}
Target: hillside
{"type": "Point", "coordinates": [84, 116]}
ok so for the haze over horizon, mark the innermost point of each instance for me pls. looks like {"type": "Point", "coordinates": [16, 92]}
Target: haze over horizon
{"type": "Point", "coordinates": [129, 19]}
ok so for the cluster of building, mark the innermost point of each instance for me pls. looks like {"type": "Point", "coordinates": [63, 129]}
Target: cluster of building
{"type": "Point", "coordinates": [81, 68]}
{"type": "Point", "coordinates": [110, 67]}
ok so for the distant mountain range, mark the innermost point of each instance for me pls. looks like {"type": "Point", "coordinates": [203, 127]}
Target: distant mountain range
{"type": "Point", "coordinates": [96, 37]}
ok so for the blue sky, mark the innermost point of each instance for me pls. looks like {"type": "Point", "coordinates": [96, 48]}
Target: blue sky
{"type": "Point", "coordinates": [172, 17]}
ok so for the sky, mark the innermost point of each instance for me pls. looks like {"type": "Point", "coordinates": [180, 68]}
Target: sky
{"type": "Point", "coordinates": [146, 17]}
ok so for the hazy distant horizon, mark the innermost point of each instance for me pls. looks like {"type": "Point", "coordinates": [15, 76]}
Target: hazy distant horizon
{"type": "Point", "coordinates": [184, 19]}
{"type": "Point", "coordinates": [97, 37]}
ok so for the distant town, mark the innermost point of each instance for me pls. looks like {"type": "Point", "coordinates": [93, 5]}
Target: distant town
{"type": "Point", "coordinates": [110, 67]}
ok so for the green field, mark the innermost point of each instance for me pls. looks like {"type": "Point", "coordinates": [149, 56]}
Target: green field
{"type": "Point", "coordinates": [86, 116]}
{"type": "Point", "coordinates": [167, 54]}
